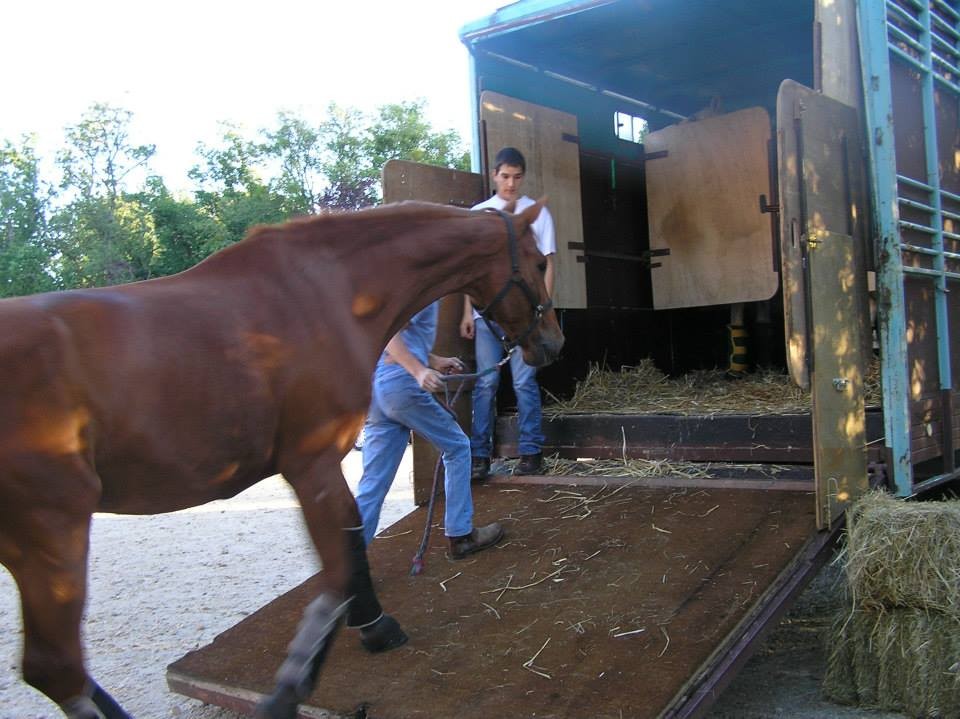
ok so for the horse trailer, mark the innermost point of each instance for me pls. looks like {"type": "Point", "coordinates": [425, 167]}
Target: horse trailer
{"type": "Point", "coordinates": [790, 169]}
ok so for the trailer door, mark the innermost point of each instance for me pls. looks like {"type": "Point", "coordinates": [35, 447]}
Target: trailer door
{"type": "Point", "coordinates": [824, 282]}
{"type": "Point", "coordinates": [704, 183]}
{"type": "Point", "coordinates": [404, 180]}
{"type": "Point", "coordinates": [549, 142]}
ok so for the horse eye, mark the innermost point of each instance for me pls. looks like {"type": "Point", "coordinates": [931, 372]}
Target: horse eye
{"type": "Point", "coordinates": [542, 267]}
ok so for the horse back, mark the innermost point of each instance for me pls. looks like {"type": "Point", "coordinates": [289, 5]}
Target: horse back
{"type": "Point", "coordinates": [179, 390]}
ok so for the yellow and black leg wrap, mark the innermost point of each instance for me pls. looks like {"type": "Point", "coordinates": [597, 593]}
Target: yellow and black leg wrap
{"type": "Point", "coordinates": [739, 353]}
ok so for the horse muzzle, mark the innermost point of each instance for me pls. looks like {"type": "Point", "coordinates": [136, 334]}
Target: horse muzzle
{"type": "Point", "coordinates": [544, 349]}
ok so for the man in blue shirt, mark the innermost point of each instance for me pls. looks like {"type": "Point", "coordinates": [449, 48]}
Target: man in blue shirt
{"type": "Point", "coordinates": [405, 376]}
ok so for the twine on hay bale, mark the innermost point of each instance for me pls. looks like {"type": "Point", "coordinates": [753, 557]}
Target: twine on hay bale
{"type": "Point", "coordinates": [897, 646]}
{"type": "Point", "coordinates": [904, 659]}
{"type": "Point", "coordinates": [904, 554]}
{"type": "Point", "coordinates": [644, 389]}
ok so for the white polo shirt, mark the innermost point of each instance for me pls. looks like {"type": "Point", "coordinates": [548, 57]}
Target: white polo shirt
{"type": "Point", "coordinates": [542, 228]}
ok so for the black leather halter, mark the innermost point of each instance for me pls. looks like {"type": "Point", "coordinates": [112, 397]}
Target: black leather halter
{"type": "Point", "coordinates": [515, 280]}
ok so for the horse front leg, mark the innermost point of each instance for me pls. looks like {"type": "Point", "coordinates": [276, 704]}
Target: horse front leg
{"type": "Point", "coordinates": [46, 549]}
{"type": "Point", "coordinates": [333, 521]}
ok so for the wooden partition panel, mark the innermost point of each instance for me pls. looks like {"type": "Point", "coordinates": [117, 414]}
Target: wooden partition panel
{"type": "Point", "coordinates": [403, 180]}
{"type": "Point", "coordinates": [549, 143]}
{"type": "Point", "coordinates": [704, 182]}
{"type": "Point", "coordinates": [822, 189]}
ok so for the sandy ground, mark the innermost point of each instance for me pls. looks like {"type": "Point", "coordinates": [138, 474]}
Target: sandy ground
{"type": "Point", "coordinates": [163, 585]}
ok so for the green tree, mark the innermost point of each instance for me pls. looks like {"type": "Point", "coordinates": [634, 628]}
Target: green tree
{"type": "Point", "coordinates": [296, 146]}
{"type": "Point", "coordinates": [231, 189]}
{"type": "Point", "coordinates": [186, 234]}
{"type": "Point", "coordinates": [103, 229]}
{"type": "Point", "coordinates": [99, 158]}
{"type": "Point", "coordinates": [357, 147]}
{"type": "Point", "coordinates": [103, 242]}
{"type": "Point", "coordinates": [402, 132]}
{"type": "Point", "coordinates": [25, 248]}
{"type": "Point", "coordinates": [104, 236]}
{"type": "Point", "coordinates": [351, 184]}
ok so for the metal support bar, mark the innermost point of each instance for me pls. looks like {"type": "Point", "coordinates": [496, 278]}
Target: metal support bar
{"type": "Point", "coordinates": [930, 273]}
{"type": "Point", "coordinates": [929, 210]}
{"type": "Point", "coordinates": [878, 102]}
{"type": "Point", "coordinates": [934, 482]}
{"type": "Point", "coordinates": [946, 28]}
{"type": "Point", "coordinates": [921, 68]}
{"type": "Point", "coordinates": [931, 149]}
{"type": "Point", "coordinates": [941, 5]}
{"type": "Point", "coordinates": [927, 251]}
{"type": "Point", "coordinates": [904, 37]}
{"type": "Point", "coordinates": [927, 229]}
{"type": "Point", "coordinates": [903, 15]}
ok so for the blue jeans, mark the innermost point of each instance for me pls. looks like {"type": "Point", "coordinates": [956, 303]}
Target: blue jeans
{"type": "Point", "coordinates": [489, 352]}
{"type": "Point", "coordinates": [399, 405]}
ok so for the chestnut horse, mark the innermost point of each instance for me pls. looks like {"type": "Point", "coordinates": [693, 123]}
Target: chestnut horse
{"type": "Point", "coordinates": [165, 394]}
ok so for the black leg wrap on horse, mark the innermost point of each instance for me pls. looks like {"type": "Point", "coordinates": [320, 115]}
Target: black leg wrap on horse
{"type": "Point", "coordinates": [298, 673]}
{"type": "Point", "coordinates": [94, 703]}
{"type": "Point", "coordinates": [379, 632]}
{"type": "Point", "coordinates": [107, 704]}
{"type": "Point", "coordinates": [365, 608]}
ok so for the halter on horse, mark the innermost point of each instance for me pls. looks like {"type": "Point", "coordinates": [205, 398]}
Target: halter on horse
{"type": "Point", "coordinates": [165, 394]}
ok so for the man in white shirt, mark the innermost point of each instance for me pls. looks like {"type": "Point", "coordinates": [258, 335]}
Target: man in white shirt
{"type": "Point", "coordinates": [508, 172]}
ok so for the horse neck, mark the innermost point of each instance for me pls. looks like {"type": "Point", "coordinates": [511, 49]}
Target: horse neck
{"type": "Point", "coordinates": [397, 267]}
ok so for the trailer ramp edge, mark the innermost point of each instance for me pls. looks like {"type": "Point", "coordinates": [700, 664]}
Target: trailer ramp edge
{"type": "Point", "coordinates": [632, 598]}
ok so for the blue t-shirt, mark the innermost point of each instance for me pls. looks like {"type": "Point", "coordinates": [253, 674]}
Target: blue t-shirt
{"type": "Point", "coordinates": [418, 335]}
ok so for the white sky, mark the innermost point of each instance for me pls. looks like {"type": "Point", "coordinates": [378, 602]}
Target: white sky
{"type": "Point", "coordinates": [181, 67]}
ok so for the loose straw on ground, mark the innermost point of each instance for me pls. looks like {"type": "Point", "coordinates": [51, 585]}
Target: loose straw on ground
{"type": "Point", "coordinates": [554, 466]}
{"type": "Point", "coordinates": [529, 665]}
{"type": "Point", "coordinates": [644, 389]}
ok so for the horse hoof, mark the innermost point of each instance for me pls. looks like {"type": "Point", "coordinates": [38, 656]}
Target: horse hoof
{"type": "Point", "coordinates": [282, 704]}
{"type": "Point", "coordinates": [385, 634]}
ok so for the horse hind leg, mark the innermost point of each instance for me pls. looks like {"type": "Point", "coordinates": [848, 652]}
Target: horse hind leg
{"type": "Point", "coordinates": [52, 599]}
{"type": "Point", "coordinates": [45, 547]}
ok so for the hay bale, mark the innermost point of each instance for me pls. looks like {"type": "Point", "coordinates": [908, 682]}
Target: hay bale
{"type": "Point", "coordinates": [904, 554]}
{"type": "Point", "coordinates": [905, 660]}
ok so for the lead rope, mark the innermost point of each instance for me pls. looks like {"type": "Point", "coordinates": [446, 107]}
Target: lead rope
{"type": "Point", "coordinates": [447, 404]}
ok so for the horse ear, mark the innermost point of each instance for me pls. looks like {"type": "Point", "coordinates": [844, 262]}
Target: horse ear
{"type": "Point", "coordinates": [530, 215]}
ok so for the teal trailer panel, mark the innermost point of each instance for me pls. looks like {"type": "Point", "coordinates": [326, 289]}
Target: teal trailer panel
{"type": "Point", "coordinates": [909, 56]}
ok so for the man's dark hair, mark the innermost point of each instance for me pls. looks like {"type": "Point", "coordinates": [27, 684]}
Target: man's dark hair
{"type": "Point", "coordinates": [509, 156]}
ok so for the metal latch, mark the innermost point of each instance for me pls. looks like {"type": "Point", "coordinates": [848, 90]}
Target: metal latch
{"type": "Point", "coordinates": [765, 206]}
{"type": "Point", "coordinates": [840, 384]}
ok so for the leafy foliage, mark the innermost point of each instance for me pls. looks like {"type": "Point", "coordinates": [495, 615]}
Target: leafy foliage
{"type": "Point", "coordinates": [108, 220]}
{"type": "Point", "coordinates": [25, 247]}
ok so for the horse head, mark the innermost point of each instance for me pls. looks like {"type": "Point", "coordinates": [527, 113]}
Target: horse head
{"type": "Point", "coordinates": [514, 295]}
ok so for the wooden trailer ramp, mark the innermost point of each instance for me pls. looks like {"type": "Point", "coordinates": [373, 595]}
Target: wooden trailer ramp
{"type": "Point", "coordinates": [609, 598]}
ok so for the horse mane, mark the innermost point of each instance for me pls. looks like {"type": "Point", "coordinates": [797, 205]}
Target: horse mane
{"type": "Point", "coordinates": [333, 229]}
{"type": "Point", "coordinates": [332, 220]}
